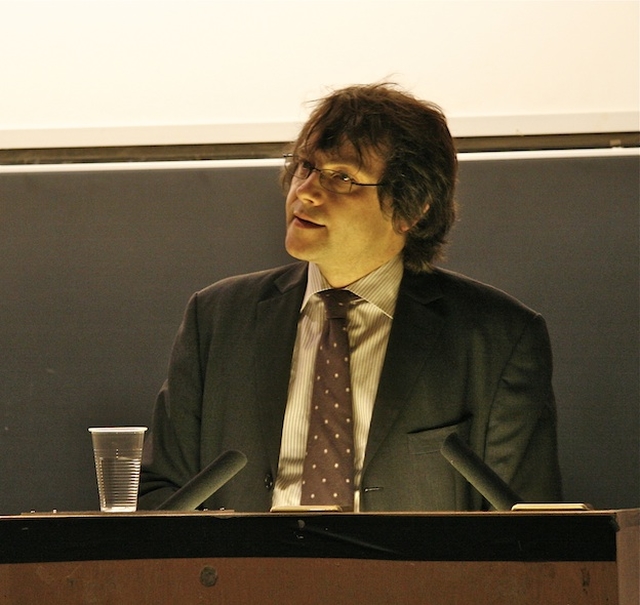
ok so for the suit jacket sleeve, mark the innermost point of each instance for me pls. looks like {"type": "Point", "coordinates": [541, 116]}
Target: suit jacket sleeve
{"type": "Point", "coordinates": [172, 454]}
{"type": "Point", "coordinates": [520, 442]}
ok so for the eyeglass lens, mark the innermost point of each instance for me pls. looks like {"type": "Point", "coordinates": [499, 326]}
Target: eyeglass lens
{"type": "Point", "coordinates": [331, 180]}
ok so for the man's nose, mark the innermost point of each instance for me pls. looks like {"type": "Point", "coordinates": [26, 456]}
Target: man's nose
{"type": "Point", "coordinates": [310, 188]}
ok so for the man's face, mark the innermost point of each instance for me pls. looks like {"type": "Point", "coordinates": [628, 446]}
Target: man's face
{"type": "Point", "coordinates": [347, 235]}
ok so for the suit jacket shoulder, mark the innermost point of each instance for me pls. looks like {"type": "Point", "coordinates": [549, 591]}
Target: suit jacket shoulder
{"type": "Point", "coordinates": [258, 285]}
{"type": "Point", "coordinates": [465, 292]}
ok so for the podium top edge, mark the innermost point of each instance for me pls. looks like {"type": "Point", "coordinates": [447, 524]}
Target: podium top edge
{"type": "Point", "coordinates": [627, 512]}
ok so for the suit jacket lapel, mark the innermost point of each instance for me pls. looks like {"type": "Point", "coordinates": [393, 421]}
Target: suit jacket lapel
{"type": "Point", "coordinates": [415, 329]}
{"type": "Point", "coordinates": [277, 322]}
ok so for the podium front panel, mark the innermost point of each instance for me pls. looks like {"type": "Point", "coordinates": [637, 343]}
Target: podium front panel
{"type": "Point", "coordinates": [222, 558]}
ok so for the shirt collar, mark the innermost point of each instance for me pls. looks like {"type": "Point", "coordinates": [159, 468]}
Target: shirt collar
{"type": "Point", "coordinates": [380, 287]}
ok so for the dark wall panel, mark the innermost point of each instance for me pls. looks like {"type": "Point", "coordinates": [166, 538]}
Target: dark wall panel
{"type": "Point", "coordinates": [96, 268]}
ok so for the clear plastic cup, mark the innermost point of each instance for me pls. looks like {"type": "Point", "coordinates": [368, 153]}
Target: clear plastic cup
{"type": "Point", "coordinates": [117, 452]}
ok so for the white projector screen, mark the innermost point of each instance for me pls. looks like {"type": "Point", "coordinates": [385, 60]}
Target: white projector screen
{"type": "Point", "coordinates": [135, 72]}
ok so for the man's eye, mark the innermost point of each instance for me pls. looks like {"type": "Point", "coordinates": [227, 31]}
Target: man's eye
{"type": "Point", "coordinates": [340, 176]}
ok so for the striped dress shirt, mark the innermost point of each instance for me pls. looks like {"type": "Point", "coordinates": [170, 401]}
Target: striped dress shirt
{"type": "Point", "coordinates": [369, 325]}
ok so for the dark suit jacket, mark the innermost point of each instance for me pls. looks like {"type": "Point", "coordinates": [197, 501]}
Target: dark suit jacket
{"type": "Point", "coordinates": [461, 357]}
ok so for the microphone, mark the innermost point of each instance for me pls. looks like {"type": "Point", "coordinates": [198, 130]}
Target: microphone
{"type": "Point", "coordinates": [478, 474]}
{"type": "Point", "coordinates": [209, 480]}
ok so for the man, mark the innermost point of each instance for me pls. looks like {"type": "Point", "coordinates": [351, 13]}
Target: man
{"type": "Point", "coordinates": [370, 200]}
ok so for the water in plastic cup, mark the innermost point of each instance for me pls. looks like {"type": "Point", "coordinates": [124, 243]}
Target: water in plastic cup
{"type": "Point", "coordinates": [117, 452]}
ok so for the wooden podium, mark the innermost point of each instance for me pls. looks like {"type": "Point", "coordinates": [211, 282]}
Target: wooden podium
{"type": "Point", "coordinates": [515, 558]}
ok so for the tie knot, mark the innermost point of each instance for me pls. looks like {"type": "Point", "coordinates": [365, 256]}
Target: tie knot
{"type": "Point", "coordinates": [336, 302]}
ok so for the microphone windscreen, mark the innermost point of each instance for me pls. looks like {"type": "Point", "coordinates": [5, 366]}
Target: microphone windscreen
{"type": "Point", "coordinates": [193, 493]}
{"type": "Point", "coordinates": [478, 474]}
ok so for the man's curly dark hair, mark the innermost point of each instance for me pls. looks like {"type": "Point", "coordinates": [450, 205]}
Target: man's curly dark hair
{"type": "Point", "coordinates": [412, 137]}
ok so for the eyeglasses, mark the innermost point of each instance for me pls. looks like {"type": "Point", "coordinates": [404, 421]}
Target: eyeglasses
{"type": "Point", "coordinates": [331, 180]}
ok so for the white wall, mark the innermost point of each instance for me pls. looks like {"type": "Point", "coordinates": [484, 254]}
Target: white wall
{"type": "Point", "coordinates": [99, 72]}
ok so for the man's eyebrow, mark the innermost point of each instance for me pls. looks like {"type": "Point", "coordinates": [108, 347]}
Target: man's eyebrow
{"type": "Point", "coordinates": [348, 158]}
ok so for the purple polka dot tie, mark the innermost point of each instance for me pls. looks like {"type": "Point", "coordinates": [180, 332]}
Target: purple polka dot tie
{"type": "Point", "coordinates": [328, 474]}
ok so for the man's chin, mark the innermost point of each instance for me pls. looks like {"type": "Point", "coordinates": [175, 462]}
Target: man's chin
{"type": "Point", "coordinates": [300, 250]}
{"type": "Point", "coordinates": [297, 253]}
{"type": "Point", "coordinates": [299, 246]}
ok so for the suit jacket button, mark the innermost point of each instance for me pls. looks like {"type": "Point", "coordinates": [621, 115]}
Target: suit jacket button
{"type": "Point", "coordinates": [268, 481]}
